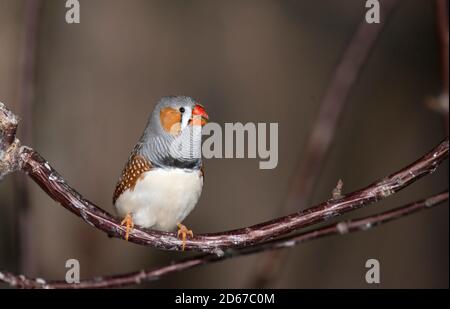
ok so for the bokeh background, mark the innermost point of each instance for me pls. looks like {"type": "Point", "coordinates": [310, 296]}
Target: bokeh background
{"type": "Point", "coordinates": [247, 61]}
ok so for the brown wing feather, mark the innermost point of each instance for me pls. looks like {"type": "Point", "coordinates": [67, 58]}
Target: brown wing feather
{"type": "Point", "coordinates": [135, 167]}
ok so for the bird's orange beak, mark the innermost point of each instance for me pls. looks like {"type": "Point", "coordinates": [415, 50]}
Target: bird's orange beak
{"type": "Point", "coordinates": [199, 115]}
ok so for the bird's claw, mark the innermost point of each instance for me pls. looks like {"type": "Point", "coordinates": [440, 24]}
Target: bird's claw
{"type": "Point", "coordinates": [184, 232]}
{"type": "Point", "coordinates": [128, 222]}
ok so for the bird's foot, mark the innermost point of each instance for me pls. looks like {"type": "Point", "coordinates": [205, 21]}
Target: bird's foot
{"type": "Point", "coordinates": [184, 232]}
{"type": "Point", "coordinates": [128, 222]}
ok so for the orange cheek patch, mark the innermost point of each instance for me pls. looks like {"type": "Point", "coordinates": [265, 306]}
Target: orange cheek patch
{"type": "Point", "coordinates": [170, 120]}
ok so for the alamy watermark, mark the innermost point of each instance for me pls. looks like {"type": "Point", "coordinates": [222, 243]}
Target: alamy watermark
{"type": "Point", "coordinates": [373, 12]}
{"type": "Point", "coordinates": [235, 140]}
{"type": "Point", "coordinates": [373, 272]}
{"type": "Point", "coordinates": [73, 12]}
{"type": "Point", "coordinates": [239, 141]}
{"type": "Point", "coordinates": [73, 272]}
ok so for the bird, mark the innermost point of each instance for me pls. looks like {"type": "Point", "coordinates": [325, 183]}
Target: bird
{"type": "Point", "coordinates": [162, 180]}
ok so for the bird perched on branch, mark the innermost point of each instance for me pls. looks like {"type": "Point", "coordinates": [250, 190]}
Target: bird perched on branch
{"type": "Point", "coordinates": [163, 178]}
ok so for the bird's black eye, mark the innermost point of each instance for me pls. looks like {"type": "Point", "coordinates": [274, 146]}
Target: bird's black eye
{"type": "Point", "coordinates": [181, 109]}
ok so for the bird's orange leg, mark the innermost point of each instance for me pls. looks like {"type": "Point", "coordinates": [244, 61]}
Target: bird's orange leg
{"type": "Point", "coordinates": [184, 232]}
{"type": "Point", "coordinates": [128, 222]}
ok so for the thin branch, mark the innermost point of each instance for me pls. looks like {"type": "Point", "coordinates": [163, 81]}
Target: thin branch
{"type": "Point", "coordinates": [56, 187]}
{"type": "Point", "coordinates": [344, 78]}
{"type": "Point", "coordinates": [344, 227]}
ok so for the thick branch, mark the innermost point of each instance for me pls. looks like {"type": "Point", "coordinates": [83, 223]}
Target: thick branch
{"type": "Point", "coordinates": [345, 227]}
{"type": "Point", "coordinates": [57, 188]}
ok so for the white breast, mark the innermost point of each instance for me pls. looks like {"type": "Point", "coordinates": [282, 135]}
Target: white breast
{"type": "Point", "coordinates": [161, 198]}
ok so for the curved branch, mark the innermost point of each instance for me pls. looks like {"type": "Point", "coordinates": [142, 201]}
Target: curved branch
{"type": "Point", "coordinates": [56, 187]}
{"type": "Point", "coordinates": [345, 227]}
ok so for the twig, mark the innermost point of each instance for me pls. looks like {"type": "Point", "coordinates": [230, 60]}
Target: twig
{"type": "Point", "coordinates": [56, 187]}
{"type": "Point", "coordinates": [337, 191]}
{"type": "Point", "coordinates": [345, 76]}
{"type": "Point", "coordinates": [138, 277]}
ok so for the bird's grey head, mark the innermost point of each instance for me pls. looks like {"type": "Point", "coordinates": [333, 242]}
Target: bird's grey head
{"type": "Point", "coordinates": [172, 137]}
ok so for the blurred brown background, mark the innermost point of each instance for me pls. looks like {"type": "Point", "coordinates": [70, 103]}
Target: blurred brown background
{"type": "Point", "coordinates": [247, 61]}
